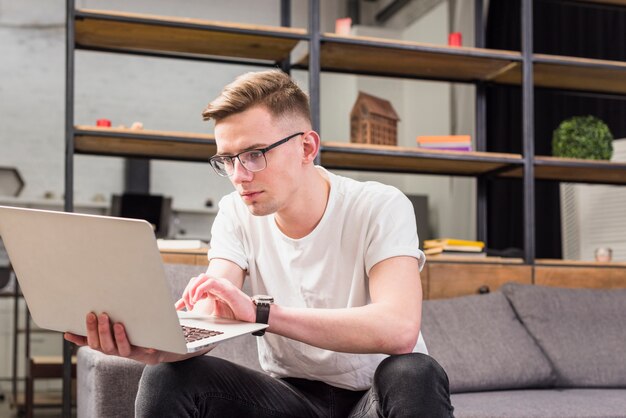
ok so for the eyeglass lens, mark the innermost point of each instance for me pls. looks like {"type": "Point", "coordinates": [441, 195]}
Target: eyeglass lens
{"type": "Point", "coordinates": [251, 161]}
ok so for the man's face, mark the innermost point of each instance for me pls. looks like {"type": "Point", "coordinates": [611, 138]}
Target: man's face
{"type": "Point", "coordinates": [267, 191]}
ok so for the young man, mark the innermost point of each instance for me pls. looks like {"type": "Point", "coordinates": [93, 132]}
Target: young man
{"type": "Point", "coordinates": [339, 259]}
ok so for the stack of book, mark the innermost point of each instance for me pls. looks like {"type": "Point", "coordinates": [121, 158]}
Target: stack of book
{"type": "Point", "coordinates": [454, 247]}
{"type": "Point", "coordinates": [446, 142]}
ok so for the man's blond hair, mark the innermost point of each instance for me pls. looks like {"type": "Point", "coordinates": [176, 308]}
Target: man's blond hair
{"type": "Point", "coordinates": [273, 89]}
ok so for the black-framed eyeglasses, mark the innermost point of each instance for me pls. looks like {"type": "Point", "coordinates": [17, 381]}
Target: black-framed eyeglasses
{"type": "Point", "coordinates": [252, 160]}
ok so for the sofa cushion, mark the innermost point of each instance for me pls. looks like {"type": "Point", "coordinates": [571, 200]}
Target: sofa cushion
{"type": "Point", "coordinates": [482, 345]}
{"type": "Point", "coordinates": [544, 403]}
{"type": "Point", "coordinates": [581, 331]}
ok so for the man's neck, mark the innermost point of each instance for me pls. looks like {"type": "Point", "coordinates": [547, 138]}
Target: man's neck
{"type": "Point", "coordinates": [307, 209]}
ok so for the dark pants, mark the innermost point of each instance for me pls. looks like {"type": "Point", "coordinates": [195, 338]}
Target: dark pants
{"type": "Point", "coordinates": [410, 385]}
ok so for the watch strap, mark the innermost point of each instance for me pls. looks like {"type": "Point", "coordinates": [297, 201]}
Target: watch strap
{"type": "Point", "coordinates": [262, 316]}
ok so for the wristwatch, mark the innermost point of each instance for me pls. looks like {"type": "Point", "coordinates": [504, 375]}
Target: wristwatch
{"type": "Point", "coordinates": [263, 303]}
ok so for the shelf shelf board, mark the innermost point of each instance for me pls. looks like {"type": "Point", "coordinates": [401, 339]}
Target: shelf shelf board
{"type": "Point", "coordinates": [578, 263]}
{"type": "Point", "coordinates": [576, 170]}
{"type": "Point", "coordinates": [199, 147]}
{"type": "Point", "coordinates": [572, 73]}
{"type": "Point", "coordinates": [187, 251]}
{"type": "Point", "coordinates": [397, 58]}
{"type": "Point", "coordinates": [52, 202]}
{"type": "Point", "coordinates": [124, 32]}
{"type": "Point", "coordinates": [181, 146]}
{"type": "Point", "coordinates": [48, 399]}
{"type": "Point", "coordinates": [477, 260]}
{"type": "Point", "coordinates": [349, 156]}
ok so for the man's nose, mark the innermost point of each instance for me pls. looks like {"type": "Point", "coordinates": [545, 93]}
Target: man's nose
{"type": "Point", "coordinates": [240, 173]}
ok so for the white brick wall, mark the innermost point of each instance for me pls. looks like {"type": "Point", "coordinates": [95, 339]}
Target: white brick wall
{"type": "Point", "coordinates": [169, 95]}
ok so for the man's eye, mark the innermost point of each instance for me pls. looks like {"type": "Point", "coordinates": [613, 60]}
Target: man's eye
{"type": "Point", "coordinates": [255, 155]}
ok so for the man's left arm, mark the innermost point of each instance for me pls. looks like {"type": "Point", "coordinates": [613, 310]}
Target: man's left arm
{"type": "Point", "coordinates": [389, 324]}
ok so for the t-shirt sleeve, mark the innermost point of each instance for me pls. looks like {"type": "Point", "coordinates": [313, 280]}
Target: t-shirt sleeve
{"type": "Point", "coordinates": [227, 240]}
{"type": "Point", "coordinates": [392, 230]}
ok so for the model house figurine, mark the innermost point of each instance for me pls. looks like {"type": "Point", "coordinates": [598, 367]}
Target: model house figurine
{"type": "Point", "coordinates": [373, 121]}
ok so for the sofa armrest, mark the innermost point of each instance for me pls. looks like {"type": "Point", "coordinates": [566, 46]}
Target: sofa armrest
{"type": "Point", "coordinates": [107, 385]}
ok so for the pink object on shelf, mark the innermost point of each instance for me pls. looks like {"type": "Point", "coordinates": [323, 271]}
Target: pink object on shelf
{"type": "Point", "coordinates": [455, 39]}
{"type": "Point", "coordinates": [103, 123]}
{"type": "Point", "coordinates": [343, 25]}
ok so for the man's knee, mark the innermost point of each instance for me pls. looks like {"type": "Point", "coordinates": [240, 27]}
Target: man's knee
{"type": "Point", "coordinates": [412, 385]}
{"type": "Point", "coordinates": [413, 367]}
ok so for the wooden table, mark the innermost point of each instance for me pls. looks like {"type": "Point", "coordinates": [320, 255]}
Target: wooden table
{"type": "Point", "coordinates": [196, 257]}
{"type": "Point", "coordinates": [446, 277]}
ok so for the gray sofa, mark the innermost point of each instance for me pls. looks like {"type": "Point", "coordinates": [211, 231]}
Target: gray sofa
{"type": "Point", "coordinates": [524, 351]}
{"type": "Point", "coordinates": [532, 351]}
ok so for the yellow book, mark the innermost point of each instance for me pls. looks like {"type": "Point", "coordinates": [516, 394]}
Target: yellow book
{"type": "Point", "coordinates": [445, 242]}
{"type": "Point", "coordinates": [433, 251]}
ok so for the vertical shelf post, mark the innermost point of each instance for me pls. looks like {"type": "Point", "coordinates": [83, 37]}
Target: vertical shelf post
{"type": "Point", "coordinates": [528, 129]}
{"type": "Point", "coordinates": [481, 127]}
{"type": "Point", "coordinates": [314, 64]}
{"type": "Point", "coordinates": [29, 401]}
{"type": "Point", "coordinates": [16, 312]}
{"type": "Point", "coordinates": [285, 21]}
{"type": "Point", "coordinates": [69, 180]}
{"type": "Point", "coordinates": [69, 107]}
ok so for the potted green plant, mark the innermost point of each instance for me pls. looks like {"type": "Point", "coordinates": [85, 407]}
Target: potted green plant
{"type": "Point", "coordinates": [584, 137]}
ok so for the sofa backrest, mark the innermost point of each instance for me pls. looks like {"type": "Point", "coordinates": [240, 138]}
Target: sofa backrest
{"type": "Point", "coordinates": [581, 331]}
{"type": "Point", "coordinates": [178, 275]}
{"type": "Point", "coordinates": [482, 345]}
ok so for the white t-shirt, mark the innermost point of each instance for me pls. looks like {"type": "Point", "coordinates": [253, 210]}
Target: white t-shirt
{"type": "Point", "coordinates": [364, 223]}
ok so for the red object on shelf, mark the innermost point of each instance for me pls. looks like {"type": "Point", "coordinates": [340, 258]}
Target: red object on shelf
{"type": "Point", "coordinates": [103, 122]}
{"type": "Point", "coordinates": [455, 39]}
{"type": "Point", "coordinates": [343, 25]}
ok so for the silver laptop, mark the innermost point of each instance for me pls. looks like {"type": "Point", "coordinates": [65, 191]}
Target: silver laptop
{"type": "Point", "coordinates": [69, 264]}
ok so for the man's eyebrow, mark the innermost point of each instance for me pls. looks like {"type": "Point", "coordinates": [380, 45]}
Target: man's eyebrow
{"type": "Point", "coordinates": [255, 146]}
{"type": "Point", "coordinates": [250, 148]}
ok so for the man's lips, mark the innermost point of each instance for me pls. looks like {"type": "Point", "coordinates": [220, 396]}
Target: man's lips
{"type": "Point", "coordinates": [249, 195]}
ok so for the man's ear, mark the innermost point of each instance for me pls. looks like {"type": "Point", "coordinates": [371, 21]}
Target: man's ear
{"type": "Point", "coordinates": [310, 146]}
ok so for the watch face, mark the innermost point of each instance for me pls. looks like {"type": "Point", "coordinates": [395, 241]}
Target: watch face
{"type": "Point", "coordinates": [262, 299]}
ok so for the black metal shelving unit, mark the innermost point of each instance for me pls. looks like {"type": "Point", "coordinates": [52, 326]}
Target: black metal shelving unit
{"type": "Point", "coordinates": [251, 45]}
{"type": "Point", "coordinates": [271, 46]}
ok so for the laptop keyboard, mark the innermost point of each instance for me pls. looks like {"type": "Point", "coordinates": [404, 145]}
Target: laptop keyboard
{"type": "Point", "coordinates": [194, 334]}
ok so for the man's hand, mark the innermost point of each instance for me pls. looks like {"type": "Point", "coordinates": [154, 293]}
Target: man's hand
{"type": "Point", "coordinates": [222, 298]}
{"type": "Point", "coordinates": [114, 341]}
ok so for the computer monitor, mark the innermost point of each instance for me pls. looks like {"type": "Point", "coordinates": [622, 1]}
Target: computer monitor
{"type": "Point", "coordinates": [155, 209]}
{"type": "Point", "coordinates": [420, 205]}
